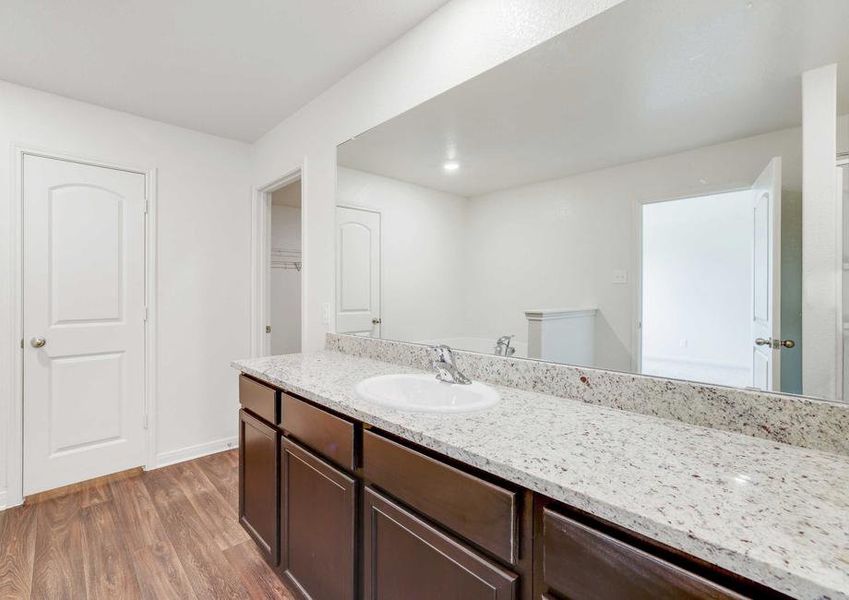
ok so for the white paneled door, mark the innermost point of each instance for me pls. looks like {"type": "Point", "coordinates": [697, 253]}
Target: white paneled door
{"type": "Point", "coordinates": [358, 272]}
{"type": "Point", "coordinates": [83, 315]}
{"type": "Point", "coordinates": [766, 276]}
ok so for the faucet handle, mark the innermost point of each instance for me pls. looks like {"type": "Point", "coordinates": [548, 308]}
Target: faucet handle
{"type": "Point", "coordinates": [443, 353]}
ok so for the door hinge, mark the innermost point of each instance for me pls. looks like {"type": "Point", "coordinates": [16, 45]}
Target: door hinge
{"type": "Point", "coordinates": [146, 314]}
{"type": "Point", "coordinates": [22, 343]}
{"type": "Point", "coordinates": [145, 419]}
{"type": "Point", "coordinates": [268, 329]}
{"type": "Point", "coordinates": [146, 206]}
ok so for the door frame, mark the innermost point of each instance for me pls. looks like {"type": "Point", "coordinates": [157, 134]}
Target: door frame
{"type": "Point", "coordinates": [637, 260]}
{"type": "Point", "coordinates": [260, 260]}
{"type": "Point", "coordinates": [15, 444]}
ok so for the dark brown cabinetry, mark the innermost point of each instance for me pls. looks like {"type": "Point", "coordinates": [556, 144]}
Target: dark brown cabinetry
{"type": "Point", "coordinates": [406, 558]}
{"type": "Point", "coordinates": [259, 399]}
{"type": "Point", "coordinates": [328, 435]}
{"type": "Point", "coordinates": [347, 512]}
{"type": "Point", "coordinates": [476, 509]}
{"type": "Point", "coordinates": [318, 506]}
{"type": "Point", "coordinates": [259, 457]}
{"type": "Point", "coordinates": [582, 563]}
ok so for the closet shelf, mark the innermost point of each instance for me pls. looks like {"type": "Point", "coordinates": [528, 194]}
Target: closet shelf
{"type": "Point", "coordinates": [283, 258]}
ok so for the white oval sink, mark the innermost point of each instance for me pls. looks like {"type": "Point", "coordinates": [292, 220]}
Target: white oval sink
{"type": "Point", "coordinates": [424, 393]}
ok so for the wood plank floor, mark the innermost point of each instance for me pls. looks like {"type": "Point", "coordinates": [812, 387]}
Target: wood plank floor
{"type": "Point", "coordinates": [169, 533]}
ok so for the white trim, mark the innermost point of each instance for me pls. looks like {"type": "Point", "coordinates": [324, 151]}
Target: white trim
{"type": "Point", "coordinates": [14, 450]}
{"type": "Point", "coordinates": [556, 314]}
{"type": "Point", "coordinates": [838, 288]}
{"type": "Point", "coordinates": [150, 333]}
{"type": "Point", "coordinates": [260, 250]}
{"type": "Point", "coordinates": [191, 452]}
{"type": "Point", "coordinates": [637, 299]}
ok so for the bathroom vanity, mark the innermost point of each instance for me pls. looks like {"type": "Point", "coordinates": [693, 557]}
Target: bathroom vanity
{"type": "Point", "coordinates": [350, 500]}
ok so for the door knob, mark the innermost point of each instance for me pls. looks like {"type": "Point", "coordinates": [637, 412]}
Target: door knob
{"type": "Point", "coordinates": [375, 321]}
{"type": "Point", "coordinates": [37, 342]}
{"type": "Point", "coordinates": [776, 344]}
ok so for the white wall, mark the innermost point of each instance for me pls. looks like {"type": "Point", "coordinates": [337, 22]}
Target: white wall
{"type": "Point", "coordinates": [556, 244]}
{"type": "Point", "coordinates": [457, 42]}
{"type": "Point", "coordinates": [203, 262]}
{"type": "Point", "coordinates": [698, 313]}
{"type": "Point", "coordinates": [285, 284]}
{"type": "Point", "coordinates": [422, 247]}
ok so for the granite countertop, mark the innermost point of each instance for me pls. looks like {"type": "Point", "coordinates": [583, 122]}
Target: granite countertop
{"type": "Point", "coordinates": [774, 513]}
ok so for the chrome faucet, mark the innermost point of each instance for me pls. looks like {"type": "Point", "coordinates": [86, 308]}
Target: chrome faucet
{"type": "Point", "coordinates": [503, 347]}
{"type": "Point", "coordinates": [445, 367]}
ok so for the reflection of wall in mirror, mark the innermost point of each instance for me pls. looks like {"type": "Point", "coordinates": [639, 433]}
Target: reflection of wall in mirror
{"type": "Point", "coordinates": [421, 253]}
{"type": "Point", "coordinates": [568, 237]}
{"type": "Point", "coordinates": [470, 267]}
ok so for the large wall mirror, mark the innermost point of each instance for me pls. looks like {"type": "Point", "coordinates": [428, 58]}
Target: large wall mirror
{"type": "Point", "coordinates": [647, 192]}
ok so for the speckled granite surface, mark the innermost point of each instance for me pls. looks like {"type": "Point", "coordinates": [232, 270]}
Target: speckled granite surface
{"type": "Point", "coordinates": [778, 417]}
{"type": "Point", "coordinates": [774, 513]}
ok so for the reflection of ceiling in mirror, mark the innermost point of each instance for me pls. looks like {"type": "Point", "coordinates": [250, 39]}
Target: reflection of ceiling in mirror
{"type": "Point", "coordinates": [646, 78]}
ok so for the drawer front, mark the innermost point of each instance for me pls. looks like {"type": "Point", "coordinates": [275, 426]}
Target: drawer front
{"type": "Point", "coordinates": [582, 563]}
{"type": "Point", "coordinates": [479, 511]}
{"type": "Point", "coordinates": [405, 557]}
{"type": "Point", "coordinates": [260, 399]}
{"type": "Point", "coordinates": [327, 434]}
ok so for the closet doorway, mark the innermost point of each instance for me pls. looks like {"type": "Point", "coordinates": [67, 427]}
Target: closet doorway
{"type": "Point", "coordinates": [284, 278]}
{"type": "Point", "coordinates": [278, 267]}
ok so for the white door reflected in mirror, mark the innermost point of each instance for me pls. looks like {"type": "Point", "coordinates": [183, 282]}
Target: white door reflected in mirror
{"type": "Point", "coordinates": [358, 272]}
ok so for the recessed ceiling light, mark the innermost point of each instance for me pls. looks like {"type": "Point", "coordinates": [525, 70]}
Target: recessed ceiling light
{"type": "Point", "coordinates": [451, 165]}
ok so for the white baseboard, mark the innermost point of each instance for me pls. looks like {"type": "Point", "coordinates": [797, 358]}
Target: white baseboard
{"type": "Point", "coordinates": [5, 501]}
{"type": "Point", "coordinates": [172, 457]}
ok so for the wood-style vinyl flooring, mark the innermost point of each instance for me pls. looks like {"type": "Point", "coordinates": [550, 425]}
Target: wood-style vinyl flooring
{"type": "Point", "coordinates": [169, 533]}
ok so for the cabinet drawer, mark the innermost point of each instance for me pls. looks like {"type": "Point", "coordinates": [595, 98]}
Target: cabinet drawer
{"type": "Point", "coordinates": [478, 510]}
{"type": "Point", "coordinates": [582, 563]}
{"type": "Point", "coordinates": [327, 434]}
{"type": "Point", "coordinates": [260, 399]}
{"type": "Point", "coordinates": [405, 557]}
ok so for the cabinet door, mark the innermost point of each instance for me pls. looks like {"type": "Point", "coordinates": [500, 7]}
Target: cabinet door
{"type": "Point", "coordinates": [407, 559]}
{"type": "Point", "coordinates": [318, 512]}
{"type": "Point", "coordinates": [259, 457]}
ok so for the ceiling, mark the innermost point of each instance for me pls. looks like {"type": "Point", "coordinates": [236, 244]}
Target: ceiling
{"type": "Point", "coordinates": [645, 78]}
{"type": "Point", "coordinates": [230, 68]}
